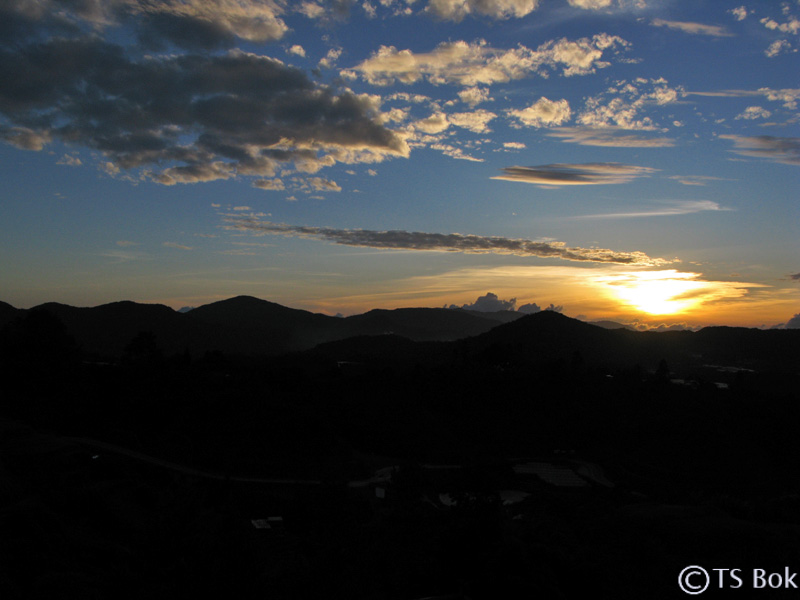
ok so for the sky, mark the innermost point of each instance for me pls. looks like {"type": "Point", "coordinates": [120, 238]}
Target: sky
{"type": "Point", "coordinates": [631, 160]}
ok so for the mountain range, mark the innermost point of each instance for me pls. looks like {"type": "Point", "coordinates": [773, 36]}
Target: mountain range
{"type": "Point", "coordinates": [247, 326]}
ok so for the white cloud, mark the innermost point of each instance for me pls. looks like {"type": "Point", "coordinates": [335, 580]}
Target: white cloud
{"type": "Point", "coordinates": [454, 152]}
{"type": "Point", "coordinates": [471, 64]}
{"type": "Point", "coordinates": [693, 28]}
{"type": "Point", "coordinates": [792, 26]}
{"type": "Point", "coordinates": [436, 123]}
{"type": "Point", "coordinates": [474, 95]}
{"type": "Point", "coordinates": [668, 209]}
{"type": "Point", "coordinates": [591, 4]}
{"type": "Point", "coordinates": [476, 121]}
{"type": "Point", "coordinates": [740, 13]}
{"type": "Point", "coordinates": [297, 49]}
{"type": "Point", "coordinates": [330, 58]}
{"type": "Point", "coordinates": [620, 106]}
{"type": "Point", "coordinates": [754, 112]}
{"type": "Point", "coordinates": [456, 10]}
{"type": "Point", "coordinates": [514, 145]}
{"type": "Point", "coordinates": [543, 113]}
{"type": "Point", "coordinates": [778, 47]}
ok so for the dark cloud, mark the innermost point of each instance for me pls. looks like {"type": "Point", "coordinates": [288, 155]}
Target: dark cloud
{"type": "Point", "coordinates": [794, 322]}
{"type": "Point", "coordinates": [571, 174]}
{"type": "Point", "coordinates": [795, 276]}
{"type": "Point", "coordinates": [446, 242]}
{"type": "Point", "coordinates": [489, 303]}
{"type": "Point", "coordinates": [191, 24]}
{"type": "Point", "coordinates": [785, 150]}
{"type": "Point", "coordinates": [187, 118]}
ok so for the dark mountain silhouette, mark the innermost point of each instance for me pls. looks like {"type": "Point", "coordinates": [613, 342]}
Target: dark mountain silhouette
{"type": "Point", "coordinates": [249, 326]}
{"type": "Point", "coordinates": [8, 313]}
{"type": "Point", "coordinates": [245, 326]}
{"type": "Point", "coordinates": [605, 324]}
{"type": "Point", "coordinates": [502, 316]}
{"type": "Point", "coordinates": [422, 324]}
{"type": "Point", "coordinates": [107, 329]}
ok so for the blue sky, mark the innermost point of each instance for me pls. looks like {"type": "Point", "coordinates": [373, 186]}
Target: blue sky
{"type": "Point", "coordinates": [626, 159]}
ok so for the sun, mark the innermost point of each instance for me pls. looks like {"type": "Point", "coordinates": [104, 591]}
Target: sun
{"type": "Point", "coordinates": [657, 292]}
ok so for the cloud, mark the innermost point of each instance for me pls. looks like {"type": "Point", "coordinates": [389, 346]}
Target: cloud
{"type": "Point", "coordinates": [489, 303]}
{"type": "Point", "coordinates": [793, 323]}
{"type": "Point", "coordinates": [792, 26]}
{"type": "Point", "coordinates": [269, 184]}
{"type": "Point", "coordinates": [608, 137]}
{"type": "Point", "coordinates": [693, 28]}
{"type": "Point", "coordinates": [789, 97]}
{"type": "Point", "coordinates": [590, 4]}
{"type": "Point", "coordinates": [795, 276]}
{"type": "Point", "coordinates": [126, 243]}
{"type": "Point", "coordinates": [543, 113]}
{"type": "Point", "coordinates": [194, 24]}
{"type": "Point", "coordinates": [176, 245]}
{"type": "Point", "coordinates": [442, 242]}
{"type": "Point", "coordinates": [474, 95]}
{"type": "Point", "coordinates": [330, 58]}
{"type": "Point", "coordinates": [514, 145]}
{"type": "Point", "coordinates": [456, 10]}
{"type": "Point", "coordinates": [476, 121]}
{"type": "Point", "coordinates": [778, 47]}
{"type": "Point", "coordinates": [69, 160]}
{"type": "Point", "coordinates": [621, 105]}
{"type": "Point", "coordinates": [298, 50]}
{"type": "Point", "coordinates": [784, 150]}
{"type": "Point", "coordinates": [185, 118]}
{"type": "Point", "coordinates": [436, 123]}
{"type": "Point", "coordinates": [754, 112]}
{"type": "Point", "coordinates": [740, 13]}
{"type": "Point", "coordinates": [471, 64]}
{"type": "Point", "coordinates": [575, 174]}
{"type": "Point", "coordinates": [454, 152]}
{"type": "Point", "coordinates": [323, 185]}
{"type": "Point", "coordinates": [24, 137]}
{"type": "Point", "coordinates": [698, 180]}
{"type": "Point", "coordinates": [679, 207]}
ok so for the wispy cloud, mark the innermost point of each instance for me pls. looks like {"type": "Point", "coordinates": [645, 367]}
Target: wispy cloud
{"type": "Point", "coordinates": [443, 242]}
{"type": "Point", "coordinates": [609, 137]}
{"type": "Point", "coordinates": [693, 28]}
{"type": "Point", "coordinates": [671, 209]}
{"type": "Point", "coordinates": [579, 174]}
{"type": "Point", "coordinates": [785, 150]}
{"type": "Point", "coordinates": [699, 180]}
{"type": "Point", "coordinates": [176, 245]}
{"type": "Point", "coordinates": [788, 96]}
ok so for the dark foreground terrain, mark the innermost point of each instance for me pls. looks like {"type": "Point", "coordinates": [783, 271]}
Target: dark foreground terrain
{"type": "Point", "coordinates": [540, 458]}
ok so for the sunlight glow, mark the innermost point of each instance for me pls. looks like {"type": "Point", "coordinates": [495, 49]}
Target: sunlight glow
{"type": "Point", "coordinates": [658, 292]}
